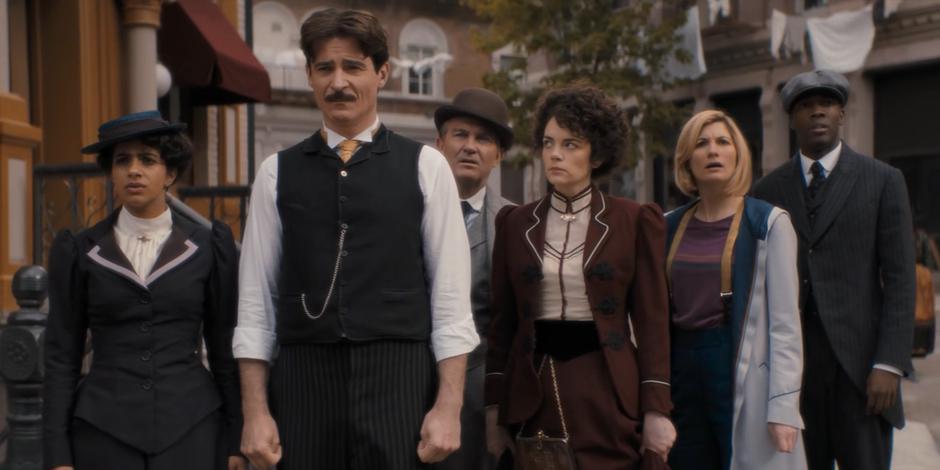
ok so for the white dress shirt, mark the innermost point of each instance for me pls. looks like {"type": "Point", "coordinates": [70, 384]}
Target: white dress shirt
{"type": "Point", "coordinates": [446, 259]}
{"type": "Point", "coordinates": [142, 239]}
{"type": "Point", "coordinates": [476, 202]}
{"type": "Point", "coordinates": [564, 293]}
{"type": "Point", "coordinates": [828, 162]}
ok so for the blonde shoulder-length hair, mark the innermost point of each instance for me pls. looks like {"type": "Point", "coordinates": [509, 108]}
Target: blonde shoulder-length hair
{"type": "Point", "coordinates": [740, 182]}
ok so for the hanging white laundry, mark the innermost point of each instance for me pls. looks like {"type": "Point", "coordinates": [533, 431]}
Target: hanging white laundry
{"type": "Point", "coordinates": [778, 27]}
{"type": "Point", "coordinates": [842, 41]}
{"type": "Point", "coordinates": [891, 6]}
{"type": "Point", "coordinates": [718, 8]}
{"type": "Point", "coordinates": [690, 39]}
{"type": "Point", "coordinates": [794, 41]}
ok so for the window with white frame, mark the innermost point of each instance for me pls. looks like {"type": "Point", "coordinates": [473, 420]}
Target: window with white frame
{"type": "Point", "coordinates": [423, 49]}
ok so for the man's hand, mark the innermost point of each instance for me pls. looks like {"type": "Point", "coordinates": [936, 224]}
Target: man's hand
{"type": "Point", "coordinates": [497, 437]}
{"type": "Point", "coordinates": [882, 391]}
{"type": "Point", "coordinates": [658, 434]}
{"type": "Point", "coordinates": [260, 441]}
{"type": "Point", "coordinates": [783, 436]}
{"type": "Point", "coordinates": [440, 433]}
{"type": "Point", "coordinates": [237, 462]}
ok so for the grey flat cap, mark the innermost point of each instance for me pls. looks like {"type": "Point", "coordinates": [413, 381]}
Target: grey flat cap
{"type": "Point", "coordinates": [825, 81]}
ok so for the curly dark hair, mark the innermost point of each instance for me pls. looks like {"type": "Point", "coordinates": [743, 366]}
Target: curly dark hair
{"type": "Point", "coordinates": [360, 26]}
{"type": "Point", "coordinates": [589, 113]}
{"type": "Point", "coordinates": [175, 149]}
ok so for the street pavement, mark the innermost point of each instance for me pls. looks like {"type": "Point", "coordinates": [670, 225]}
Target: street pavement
{"type": "Point", "coordinates": [916, 446]}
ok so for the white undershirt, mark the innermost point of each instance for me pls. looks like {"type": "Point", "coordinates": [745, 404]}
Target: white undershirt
{"type": "Point", "coordinates": [141, 239]}
{"type": "Point", "coordinates": [445, 248]}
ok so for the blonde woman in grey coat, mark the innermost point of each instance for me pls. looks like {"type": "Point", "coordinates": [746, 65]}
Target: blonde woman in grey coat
{"type": "Point", "coordinates": [737, 356]}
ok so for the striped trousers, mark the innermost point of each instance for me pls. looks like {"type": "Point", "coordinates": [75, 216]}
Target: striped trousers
{"type": "Point", "coordinates": [352, 405]}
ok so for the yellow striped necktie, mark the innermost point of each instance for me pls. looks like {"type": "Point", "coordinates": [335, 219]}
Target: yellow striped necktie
{"type": "Point", "coordinates": [346, 149]}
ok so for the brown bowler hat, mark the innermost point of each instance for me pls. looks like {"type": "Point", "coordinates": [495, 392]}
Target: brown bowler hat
{"type": "Point", "coordinates": [480, 104]}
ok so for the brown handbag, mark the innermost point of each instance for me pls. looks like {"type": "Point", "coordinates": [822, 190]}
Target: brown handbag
{"type": "Point", "coordinates": [542, 452]}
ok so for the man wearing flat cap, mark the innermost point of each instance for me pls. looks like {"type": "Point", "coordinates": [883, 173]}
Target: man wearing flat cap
{"type": "Point", "coordinates": [354, 320]}
{"type": "Point", "coordinates": [473, 134]}
{"type": "Point", "coordinates": [856, 262]}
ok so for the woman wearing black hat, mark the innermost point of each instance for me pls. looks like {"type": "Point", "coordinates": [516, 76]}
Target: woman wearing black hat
{"type": "Point", "coordinates": [148, 285]}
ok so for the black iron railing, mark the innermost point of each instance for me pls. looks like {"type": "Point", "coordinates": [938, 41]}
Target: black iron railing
{"type": "Point", "coordinates": [81, 209]}
{"type": "Point", "coordinates": [218, 193]}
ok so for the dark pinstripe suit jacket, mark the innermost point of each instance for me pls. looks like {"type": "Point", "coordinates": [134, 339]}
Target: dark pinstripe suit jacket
{"type": "Point", "coordinates": [859, 257]}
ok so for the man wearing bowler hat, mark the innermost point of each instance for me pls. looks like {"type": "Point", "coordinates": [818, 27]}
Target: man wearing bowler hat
{"type": "Point", "coordinates": [856, 263]}
{"type": "Point", "coordinates": [354, 319]}
{"type": "Point", "coordinates": [473, 134]}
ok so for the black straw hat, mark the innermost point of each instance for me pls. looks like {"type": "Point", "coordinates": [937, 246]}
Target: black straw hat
{"type": "Point", "coordinates": [132, 126]}
{"type": "Point", "coordinates": [480, 104]}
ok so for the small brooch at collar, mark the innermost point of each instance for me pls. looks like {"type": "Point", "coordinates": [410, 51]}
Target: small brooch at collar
{"type": "Point", "coordinates": [532, 273]}
{"type": "Point", "coordinates": [602, 271]}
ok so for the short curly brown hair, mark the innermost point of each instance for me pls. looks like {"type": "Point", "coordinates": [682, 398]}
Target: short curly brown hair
{"type": "Point", "coordinates": [589, 113]}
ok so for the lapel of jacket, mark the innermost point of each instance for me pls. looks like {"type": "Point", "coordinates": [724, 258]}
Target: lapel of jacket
{"type": "Point", "coordinates": [106, 253]}
{"type": "Point", "coordinates": [491, 206]}
{"type": "Point", "coordinates": [177, 249]}
{"type": "Point", "coordinates": [535, 233]}
{"type": "Point", "coordinates": [840, 183]}
{"type": "Point", "coordinates": [792, 192]}
{"type": "Point", "coordinates": [598, 230]}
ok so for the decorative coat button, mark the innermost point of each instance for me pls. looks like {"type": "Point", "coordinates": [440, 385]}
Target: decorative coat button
{"type": "Point", "coordinates": [614, 341]}
{"type": "Point", "coordinates": [147, 385]}
{"type": "Point", "coordinates": [145, 298]}
{"type": "Point", "coordinates": [532, 273]}
{"type": "Point", "coordinates": [344, 173]}
{"type": "Point", "coordinates": [607, 306]}
{"type": "Point", "coordinates": [601, 271]}
{"type": "Point", "coordinates": [145, 326]}
{"type": "Point", "coordinates": [146, 356]}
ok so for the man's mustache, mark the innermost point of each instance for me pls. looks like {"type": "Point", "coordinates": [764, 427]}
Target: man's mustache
{"type": "Point", "coordinates": [338, 97]}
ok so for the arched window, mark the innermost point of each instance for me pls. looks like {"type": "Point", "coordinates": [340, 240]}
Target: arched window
{"type": "Point", "coordinates": [423, 44]}
{"type": "Point", "coordinates": [276, 44]}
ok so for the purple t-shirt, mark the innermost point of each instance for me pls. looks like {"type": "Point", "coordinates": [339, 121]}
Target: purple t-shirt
{"type": "Point", "coordinates": [696, 275]}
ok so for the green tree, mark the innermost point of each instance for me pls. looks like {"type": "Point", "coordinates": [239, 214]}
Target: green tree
{"type": "Point", "coordinates": [621, 46]}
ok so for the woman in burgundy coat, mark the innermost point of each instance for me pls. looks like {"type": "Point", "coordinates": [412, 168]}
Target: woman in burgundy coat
{"type": "Point", "coordinates": [571, 273]}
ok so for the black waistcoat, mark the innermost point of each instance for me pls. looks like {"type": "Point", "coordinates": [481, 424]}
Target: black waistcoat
{"type": "Point", "coordinates": [380, 290]}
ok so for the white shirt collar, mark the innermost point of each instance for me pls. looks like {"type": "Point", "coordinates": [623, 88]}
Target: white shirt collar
{"type": "Point", "coordinates": [134, 226]}
{"type": "Point", "coordinates": [333, 138]}
{"type": "Point", "coordinates": [476, 201]}
{"type": "Point", "coordinates": [828, 161]}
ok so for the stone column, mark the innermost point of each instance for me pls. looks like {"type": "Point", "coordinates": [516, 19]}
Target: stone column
{"type": "Point", "coordinates": [858, 130]}
{"type": "Point", "coordinates": [141, 20]}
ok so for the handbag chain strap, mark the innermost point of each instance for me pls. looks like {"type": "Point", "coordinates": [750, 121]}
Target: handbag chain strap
{"type": "Point", "coordinates": [561, 413]}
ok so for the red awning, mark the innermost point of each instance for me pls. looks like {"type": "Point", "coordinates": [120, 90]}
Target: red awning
{"type": "Point", "coordinates": [205, 54]}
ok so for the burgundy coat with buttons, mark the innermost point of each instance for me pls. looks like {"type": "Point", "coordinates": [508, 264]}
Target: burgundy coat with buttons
{"type": "Point", "coordinates": [147, 385]}
{"type": "Point", "coordinates": [624, 274]}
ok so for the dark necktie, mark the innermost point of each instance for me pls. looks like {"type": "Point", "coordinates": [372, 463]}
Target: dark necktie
{"type": "Point", "coordinates": [468, 212]}
{"type": "Point", "coordinates": [819, 178]}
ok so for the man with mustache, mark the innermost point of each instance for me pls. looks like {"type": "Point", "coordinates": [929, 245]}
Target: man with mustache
{"type": "Point", "coordinates": [473, 134]}
{"type": "Point", "coordinates": [354, 313]}
{"type": "Point", "coordinates": [856, 263]}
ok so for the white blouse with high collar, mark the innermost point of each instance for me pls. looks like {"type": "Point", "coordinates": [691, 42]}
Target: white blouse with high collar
{"type": "Point", "coordinates": [141, 239]}
{"type": "Point", "coordinates": [564, 294]}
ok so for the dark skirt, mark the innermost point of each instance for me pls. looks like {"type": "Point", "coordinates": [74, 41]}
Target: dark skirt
{"type": "Point", "coordinates": [601, 434]}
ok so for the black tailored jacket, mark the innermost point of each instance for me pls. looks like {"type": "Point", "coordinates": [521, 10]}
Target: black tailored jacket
{"type": "Point", "coordinates": [147, 385]}
{"type": "Point", "coordinates": [858, 261]}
